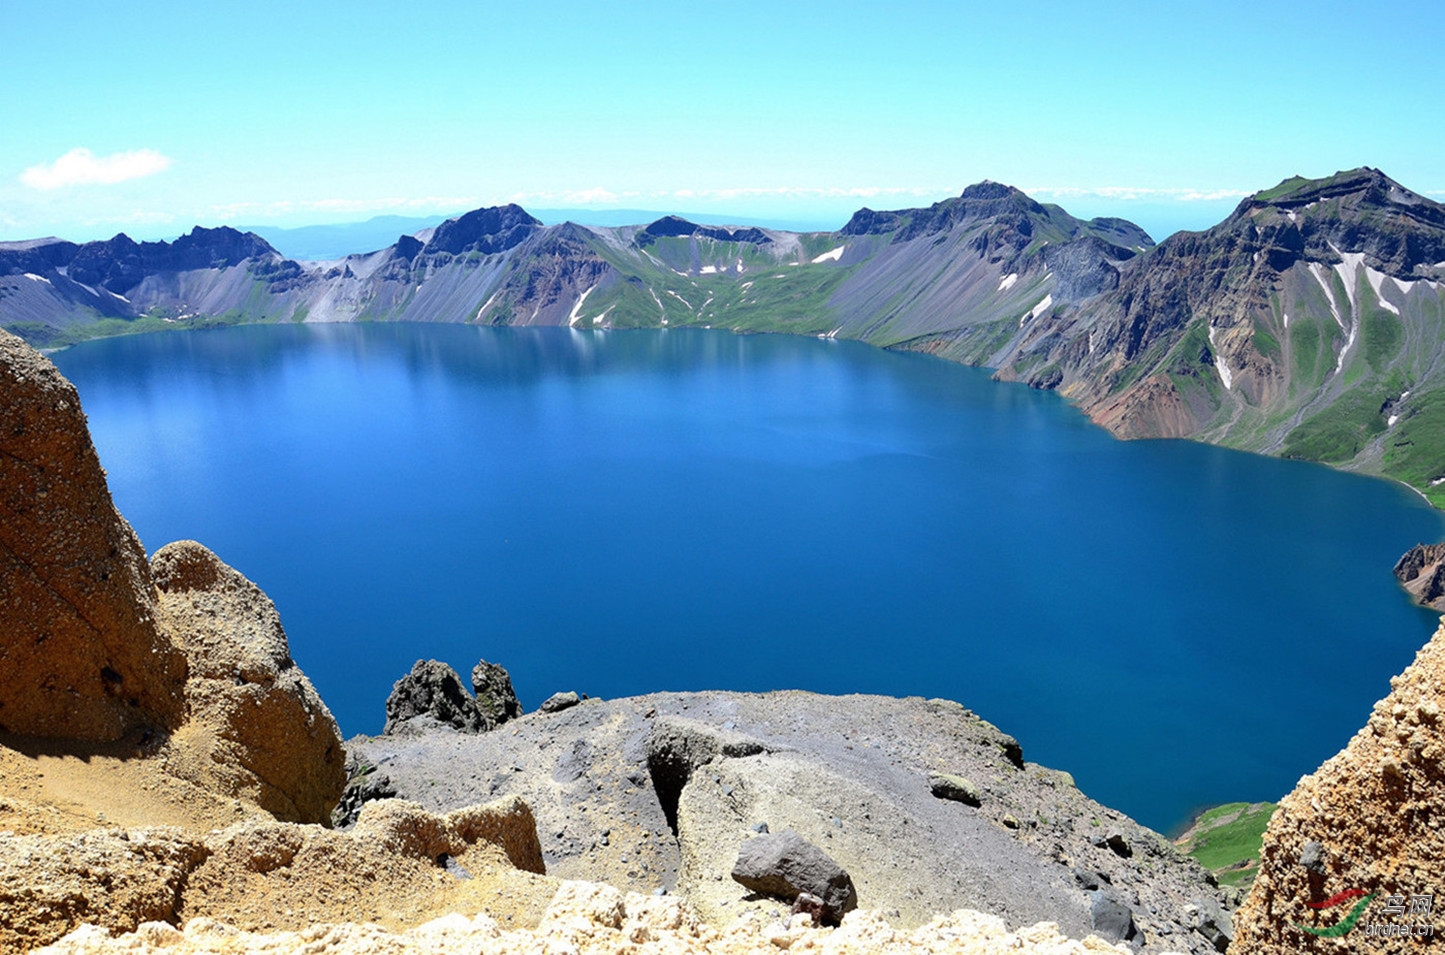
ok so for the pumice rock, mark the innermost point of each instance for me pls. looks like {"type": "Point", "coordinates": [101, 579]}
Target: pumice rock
{"type": "Point", "coordinates": [257, 727]}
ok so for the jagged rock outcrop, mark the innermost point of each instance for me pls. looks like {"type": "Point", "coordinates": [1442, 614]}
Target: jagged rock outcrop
{"type": "Point", "coordinates": [1421, 571]}
{"type": "Point", "coordinates": [80, 654]}
{"type": "Point", "coordinates": [257, 727]}
{"type": "Point", "coordinates": [433, 692]}
{"type": "Point", "coordinates": [1366, 822]}
{"type": "Point", "coordinates": [492, 687]}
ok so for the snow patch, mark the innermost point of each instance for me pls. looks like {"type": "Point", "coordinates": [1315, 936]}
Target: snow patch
{"type": "Point", "coordinates": [831, 255]}
{"type": "Point", "coordinates": [745, 286]}
{"type": "Point", "coordinates": [1038, 310]}
{"type": "Point", "coordinates": [680, 299]}
{"type": "Point", "coordinates": [486, 305]}
{"type": "Point", "coordinates": [707, 270]}
{"type": "Point", "coordinates": [38, 278]}
{"type": "Point", "coordinates": [599, 319]}
{"type": "Point", "coordinates": [1008, 281]}
{"type": "Point", "coordinates": [1437, 481]}
{"type": "Point", "coordinates": [572, 318]}
{"type": "Point", "coordinates": [1349, 270]}
{"type": "Point", "coordinates": [1377, 282]}
{"type": "Point", "coordinates": [1318, 271]}
{"type": "Point", "coordinates": [1390, 422]}
{"type": "Point", "coordinates": [1225, 375]}
{"type": "Point", "coordinates": [1286, 319]}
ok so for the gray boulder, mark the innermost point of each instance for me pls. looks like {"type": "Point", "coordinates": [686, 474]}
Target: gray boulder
{"type": "Point", "coordinates": [432, 690]}
{"type": "Point", "coordinates": [492, 686]}
{"type": "Point", "coordinates": [559, 701]}
{"type": "Point", "coordinates": [785, 865]}
{"type": "Point", "coordinates": [956, 788]}
{"type": "Point", "coordinates": [1207, 917]}
{"type": "Point", "coordinates": [1111, 919]}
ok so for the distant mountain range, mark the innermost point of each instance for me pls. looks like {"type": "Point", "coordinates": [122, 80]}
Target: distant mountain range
{"type": "Point", "coordinates": [320, 243]}
{"type": "Point", "coordinates": [1309, 323]}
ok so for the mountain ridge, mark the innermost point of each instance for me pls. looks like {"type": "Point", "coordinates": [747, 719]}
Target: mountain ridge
{"type": "Point", "coordinates": [1307, 324]}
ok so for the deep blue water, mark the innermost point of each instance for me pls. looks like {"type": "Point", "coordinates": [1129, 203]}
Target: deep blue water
{"type": "Point", "coordinates": [624, 512]}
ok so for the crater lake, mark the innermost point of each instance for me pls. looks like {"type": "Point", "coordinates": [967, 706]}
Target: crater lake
{"type": "Point", "coordinates": [625, 512]}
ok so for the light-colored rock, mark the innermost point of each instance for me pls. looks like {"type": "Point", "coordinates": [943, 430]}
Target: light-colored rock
{"type": "Point", "coordinates": [590, 919]}
{"type": "Point", "coordinates": [260, 874]}
{"type": "Point", "coordinates": [256, 728]}
{"type": "Point", "coordinates": [1368, 819]}
{"type": "Point", "coordinates": [80, 654]}
{"type": "Point", "coordinates": [50, 884]}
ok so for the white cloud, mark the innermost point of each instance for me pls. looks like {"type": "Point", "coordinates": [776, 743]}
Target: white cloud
{"type": "Point", "coordinates": [1136, 193]}
{"type": "Point", "coordinates": [81, 167]}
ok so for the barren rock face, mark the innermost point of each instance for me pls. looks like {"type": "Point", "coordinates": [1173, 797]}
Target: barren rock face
{"type": "Point", "coordinates": [49, 885]}
{"type": "Point", "coordinates": [257, 728]}
{"type": "Point", "coordinates": [80, 655]}
{"type": "Point", "coordinates": [260, 873]}
{"type": "Point", "coordinates": [1367, 821]}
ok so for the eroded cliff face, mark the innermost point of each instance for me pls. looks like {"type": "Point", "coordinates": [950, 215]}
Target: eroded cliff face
{"type": "Point", "coordinates": [80, 654]}
{"type": "Point", "coordinates": [1369, 825]}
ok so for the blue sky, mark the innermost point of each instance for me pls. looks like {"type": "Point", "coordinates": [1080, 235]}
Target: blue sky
{"type": "Point", "coordinates": [153, 117]}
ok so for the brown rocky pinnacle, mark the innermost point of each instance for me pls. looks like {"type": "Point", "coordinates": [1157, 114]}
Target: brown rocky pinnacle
{"type": "Point", "coordinates": [80, 655]}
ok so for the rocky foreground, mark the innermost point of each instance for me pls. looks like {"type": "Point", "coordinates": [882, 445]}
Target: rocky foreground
{"type": "Point", "coordinates": [924, 804]}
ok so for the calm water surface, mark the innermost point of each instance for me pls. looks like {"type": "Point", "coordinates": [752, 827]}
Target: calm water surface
{"type": "Point", "coordinates": [624, 512]}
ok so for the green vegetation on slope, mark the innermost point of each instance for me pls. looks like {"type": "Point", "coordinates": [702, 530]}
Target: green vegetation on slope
{"type": "Point", "coordinates": [1341, 431]}
{"type": "Point", "coordinates": [1415, 450]}
{"type": "Point", "coordinates": [1226, 840]}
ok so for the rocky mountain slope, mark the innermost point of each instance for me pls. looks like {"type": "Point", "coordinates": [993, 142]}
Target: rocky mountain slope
{"type": "Point", "coordinates": [1310, 323]}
